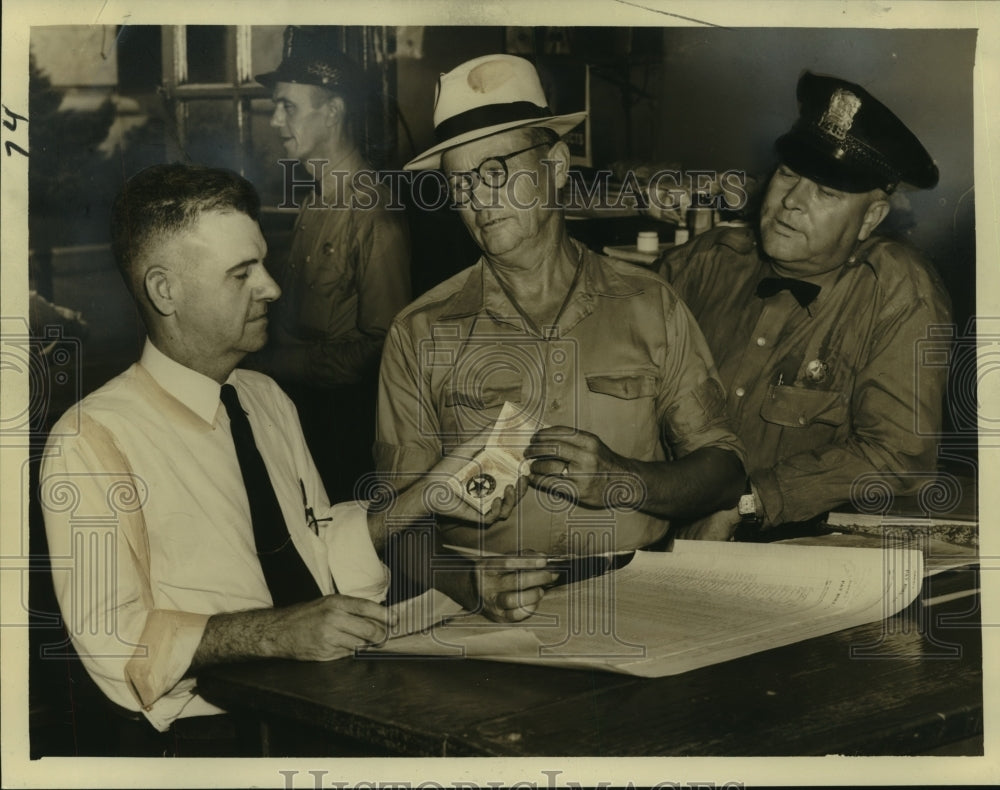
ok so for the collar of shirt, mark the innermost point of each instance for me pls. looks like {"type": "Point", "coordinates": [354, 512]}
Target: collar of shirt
{"type": "Point", "coordinates": [337, 180]}
{"type": "Point", "coordinates": [195, 390]}
{"type": "Point", "coordinates": [337, 176]}
{"type": "Point", "coordinates": [477, 297]}
{"type": "Point", "coordinates": [350, 162]}
{"type": "Point", "coordinates": [862, 254]}
{"type": "Point", "coordinates": [743, 241]}
{"type": "Point", "coordinates": [825, 280]}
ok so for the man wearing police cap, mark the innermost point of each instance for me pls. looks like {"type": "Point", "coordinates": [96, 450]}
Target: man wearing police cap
{"type": "Point", "coordinates": [814, 321]}
{"type": "Point", "coordinates": [348, 270]}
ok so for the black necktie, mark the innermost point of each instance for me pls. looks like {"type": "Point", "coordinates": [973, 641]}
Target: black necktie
{"type": "Point", "coordinates": [286, 574]}
{"type": "Point", "coordinates": [803, 292]}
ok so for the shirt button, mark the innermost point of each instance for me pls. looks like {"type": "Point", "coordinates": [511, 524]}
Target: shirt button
{"type": "Point", "coordinates": [761, 341]}
{"type": "Point", "coordinates": [740, 392]}
{"type": "Point", "coordinates": [802, 421]}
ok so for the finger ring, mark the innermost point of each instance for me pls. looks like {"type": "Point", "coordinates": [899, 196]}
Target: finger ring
{"type": "Point", "coordinates": [565, 470]}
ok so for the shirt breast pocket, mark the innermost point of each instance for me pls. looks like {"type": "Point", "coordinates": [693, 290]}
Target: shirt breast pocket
{"type": "Point", "coordinates": [627, 385]}
{"type": "Point", "coordinates": [795, 407]}
{"type": "Point", "coordinates": [471, 407]}
{"type": "Point", "coordinates": [621, 409]}
{"type": "Point", "coordinates": [485, 396]}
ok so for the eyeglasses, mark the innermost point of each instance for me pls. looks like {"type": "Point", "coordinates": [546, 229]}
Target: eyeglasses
{"type": "Point", "coordinates": [492, 172]}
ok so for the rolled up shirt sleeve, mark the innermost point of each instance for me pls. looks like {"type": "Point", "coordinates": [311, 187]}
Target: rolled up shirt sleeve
{"type": "Point", "coordinates": [161, 660]}
{"type": "Point", "coordinates": [92, 506]}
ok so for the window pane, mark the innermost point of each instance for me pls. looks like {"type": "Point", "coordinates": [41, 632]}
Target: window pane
{"type": "Point", "coordinates": [208, 55]}
{"type": "Point", "coordinates": [265, 48]}
{"type": "Point", "coordinates": [140, 65]}
{"type": "Point", "coordinates": [212, 133]}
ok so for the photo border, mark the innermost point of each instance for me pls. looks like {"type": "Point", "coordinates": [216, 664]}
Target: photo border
{"type": "Point", "coordinates": [18, 771]}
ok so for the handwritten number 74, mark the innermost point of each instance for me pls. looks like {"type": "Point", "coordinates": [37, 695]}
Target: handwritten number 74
{"type": "Point", "coordinates": [12, 125]}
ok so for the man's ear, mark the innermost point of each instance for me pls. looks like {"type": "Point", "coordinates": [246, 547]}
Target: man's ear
{"type": "Point", "coordinates": [877, 211]}
{"type": "Point", "coordinates": [161, 290]}
{"type": "Point", "coordinates": [335, 110]}
{"type": "Point", "coordinates": [558, 156]}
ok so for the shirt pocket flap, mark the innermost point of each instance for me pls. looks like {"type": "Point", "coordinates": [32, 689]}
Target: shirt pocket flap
{"type": "Point", "coordinates": [485, 397]}
{"type": "Point", "coordinates": [623, 385]}
{"type": "Point", "coordinates": [799, 408]}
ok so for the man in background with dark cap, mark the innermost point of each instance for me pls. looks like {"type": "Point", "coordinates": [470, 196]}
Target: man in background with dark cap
{"type": "Point", "coordinates": [814, 321]}
{"type": "Point", "coordinates": [348, 270]}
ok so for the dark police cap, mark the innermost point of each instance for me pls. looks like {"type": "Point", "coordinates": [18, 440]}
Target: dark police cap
{"type": "Point", "coordinates": [310, 57]}
{"type": "Point", "coordinates": [848, 140]}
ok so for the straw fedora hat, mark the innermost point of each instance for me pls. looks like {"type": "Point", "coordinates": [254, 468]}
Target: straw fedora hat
{"type": "Point", "coordinates": [484, 96]}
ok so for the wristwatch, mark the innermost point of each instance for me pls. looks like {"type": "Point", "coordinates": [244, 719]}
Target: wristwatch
{"type": "Point", "coordinates": [748, 507]}
{"type": "Point", "coordinates": [751, 512]}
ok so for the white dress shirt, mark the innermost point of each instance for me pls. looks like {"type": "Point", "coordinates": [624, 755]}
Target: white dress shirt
{"type": "Point", "coordinates": [149, 526]}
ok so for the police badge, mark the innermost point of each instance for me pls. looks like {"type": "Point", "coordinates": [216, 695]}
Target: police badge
{"type": "Point", "coordinates": [839, 115]}
{"type": "Point", "coordinates": [816, 371]}
{"type": "Point", "coordinates": [498, 464]}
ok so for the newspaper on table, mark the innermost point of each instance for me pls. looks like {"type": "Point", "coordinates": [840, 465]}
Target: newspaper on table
{"type": "Point", "coordinates": [666, 613]}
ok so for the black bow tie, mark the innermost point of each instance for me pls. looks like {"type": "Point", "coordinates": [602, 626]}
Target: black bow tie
{"type": "Point", "coordinates": [803, 292]}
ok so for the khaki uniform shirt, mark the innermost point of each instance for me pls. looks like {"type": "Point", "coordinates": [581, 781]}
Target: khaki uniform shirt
{"type": "Point", "coordinates": [833, 401]}
{"type": "Point", "coordinates": [347, 274]}
{"type": "Point", "coordinates": [626, 362]}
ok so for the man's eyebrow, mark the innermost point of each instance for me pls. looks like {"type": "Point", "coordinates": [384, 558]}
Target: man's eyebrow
{"type": "Point", "coordinates": [243, 264]}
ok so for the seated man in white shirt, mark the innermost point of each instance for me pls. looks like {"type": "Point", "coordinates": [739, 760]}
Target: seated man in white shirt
{"type": "Point", "coordinates": [152, 512]}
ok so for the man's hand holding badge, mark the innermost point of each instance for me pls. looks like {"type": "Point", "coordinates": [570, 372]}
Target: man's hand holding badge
{"type": "Point", "coordinates": [485, 478]}
{"type": "Point", "coordinates": [505, 588]}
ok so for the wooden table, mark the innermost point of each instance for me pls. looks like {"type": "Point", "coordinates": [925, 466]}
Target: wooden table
{"type": "Point", "coordinates": [909, 685]}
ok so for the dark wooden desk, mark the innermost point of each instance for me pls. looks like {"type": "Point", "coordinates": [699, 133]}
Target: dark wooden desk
{"type": "Point", "coordinates": [909, 685]}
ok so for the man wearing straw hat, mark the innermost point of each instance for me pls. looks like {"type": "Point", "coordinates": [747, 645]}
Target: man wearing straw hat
{"type": "Point", "coordinates": [602, 354]}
